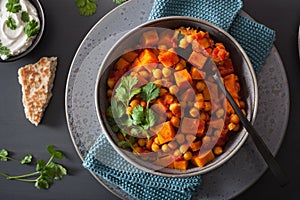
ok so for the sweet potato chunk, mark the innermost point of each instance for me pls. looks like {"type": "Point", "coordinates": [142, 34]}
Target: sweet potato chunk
{"type": "Point", "coordinates": [197, 74]}
{"type": "Point", "coordinates": [148, 59]}
{"type": "Point", "coordinates": [183, 78]}
{"type": "Point", "coordinates": [164, 161]}
{"type": "Point", "coordinates": [232, 85]}
{"type": "Point", "coordinates": [121, 64]}
{"type": "Point", "coordinates": [165, 132]}
{"type": "Point", "coordinates": [181, 164]}
{"type": "Point", "coordinates": [197, 59]}
{"type": "Point", "coordinates": [149, 38]}
{"type": "Point", "coordinates": [189, 125]}
{"type": "Point", "coordinates": [168, 58]}
{"type": "Point", "coordinates": [203, 158]}
{"type": "Point", "coordinates": [130, 56]}
{"type": "Point", "coordinates": [195, 146]}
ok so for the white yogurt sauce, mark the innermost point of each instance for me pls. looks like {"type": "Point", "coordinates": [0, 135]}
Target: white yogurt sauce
{"type": "Point", "coordinates": [16, 40]}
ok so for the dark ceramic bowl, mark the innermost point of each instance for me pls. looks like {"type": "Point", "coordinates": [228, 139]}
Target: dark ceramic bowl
{"type": "Point", "coordinates": [38, 37]}
{"type": "Point", "coordinates": [249, 91]}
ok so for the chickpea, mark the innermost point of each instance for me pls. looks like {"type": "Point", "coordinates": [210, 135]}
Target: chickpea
{"type": "Point", "coordinates": [166, 72]}
{"type": "Point", "coordinates": [231, 126]}
{"type": "Point", "coordinates": [199, 97]}
{"type": "Point", "coordinates": [168, 99]}
{"type": "Point", "coordinates": [203, 116]}
{"type": "Point", "coordinates": [111, 82]}
{"type": "Point", "coordinates": [134, 103]}
{"type": "Point", "coordinates": [129, 110]}
{"type": "Point", "coordinates": [143, 103]}
{"type": "Point", "coordinates": [177, 153]}
{"type": "Point", "coordinates": [165, 148]}
{"type": "Point", "coordinates": [180, 138]}
{"type": "Point", "coordinates": [199, 104]}
{"type": "Point", "coordinates": [162, 91]}
{"type": "Point", "coordinates": [179, 66]}
{"type": "Point", "coordinates": [183, 43]}
{"type": "Point", "coordinates": [242, 104]}
{"type": "Point", "coordinates": [141, 142]}
{"type": "Point", "coordinates": [206, 140]}
{"type": "Point", "coordinates": [144, 74]}
{"type": "Point", "coordinates": [190, 138]}
{"type": "Point", "coordinates": [109, 92]}
{"type": "Point", "coordinates": [217, 150]}
{"type": "Point", "coordinates": [175, 121]}
{"type": "Point", "coordinates": [172, 145]}
{"type": "Point", "coordinates": [200, 86]}
{"type": "Point", "coordinates": [154, 147]}
{"type": "Point", "coordinates": [174, 89]}
{"type": "Point", "coordinates": [156, 140]}
{"type": "Point", "coordinates": [234, 118]}
{"type": "Point", "coordinates": [194, 112]}
{"type": "Point", "coordinates": [207, 106]}
{"type": "Point", "coordinates": [183, 148]}
{"type": "Point", "coordinates": [169, 114]}
{"type": "Point", "coordinates": [157, 73]}
{"type": "Point", "coordinates": [175, 108]}
{"type": "Point", "coordinates": [220, 113]}
{"type": "Point", "coordinates": [162, 47]}
{"type": "Point", "coordinates": [237, 127]}
{"type": "Point", "coordinates": [187, 155]}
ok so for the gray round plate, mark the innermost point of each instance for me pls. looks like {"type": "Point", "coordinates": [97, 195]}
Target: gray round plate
{"type": "Point", "coordinates": [231, 179]}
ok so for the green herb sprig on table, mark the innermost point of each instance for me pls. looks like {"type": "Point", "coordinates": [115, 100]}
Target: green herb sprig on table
{"type": "Point", "coordinates": [140, 119]}
{"type": "Point", "coordinates": [89, 7]}
{"type": "Point", "coordinates": [46, 172]}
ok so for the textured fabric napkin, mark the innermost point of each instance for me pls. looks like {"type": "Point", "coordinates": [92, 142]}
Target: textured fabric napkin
{"type": "Point", "coordinates": [255, 38]}
{"type": "Point", "coordinates": [257, 41]}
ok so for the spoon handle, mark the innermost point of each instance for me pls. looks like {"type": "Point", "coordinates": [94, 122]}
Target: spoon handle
{"type": "Point", "coordinates": [258, 141]}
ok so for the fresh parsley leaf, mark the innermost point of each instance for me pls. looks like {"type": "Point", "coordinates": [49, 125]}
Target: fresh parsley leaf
{"type": "Point", "coordinates": [13, 6]}
{"type": "Point", "coordinates": [151, 117]}
{"type": "Point", "coordinates": [25, 16]}
{"type": "Point", "coordinates": [3, 155]}
{"type": "Point", "coordinates": [54, 153]}
{"type": "Point", "coordinates": [4, 50]}
{"type": "Point", "coordinates": [138, 115]}
{"type": "Point", "coordinates": [119, 1]}
{"type": "Point", "coordinates": [125, 90]}
{"type": "Point", "coordinates": [31, 28]}
{"type": "Point", "coordinates": [118, 110]}
{"type": "Point", "coordinates": [27, 159]}
{"type": "Point", "coordinates": [149, 92]}
{"type": "Point", "coordinates": [11, 23]}
{"type": "Point", "coordinates": [86, 7]}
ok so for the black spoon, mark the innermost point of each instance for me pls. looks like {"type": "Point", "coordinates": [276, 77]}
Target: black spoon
{"type": "Point", "coordinates": [259, 143]}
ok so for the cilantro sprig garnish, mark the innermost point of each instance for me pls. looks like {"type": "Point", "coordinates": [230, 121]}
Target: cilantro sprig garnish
{"type": "Point", "coordinates": [140, 119]}
{"type": "Point", "coordinates": [13, 6]}
{"type": "Point", "coordinates": [25, 16]}
{"type": "Point", "coordinates": [45, 172]}
{"type": "Point", "coordinates": [4, 50]}
{"type": "Point", "coordinates": [31, 28]}
{"type": "Point", "coordinates": [89, 7]}
{"type": "Point", "coordinates": [86, 7]}
{"type": "Point", "coordinates": [11, 23]}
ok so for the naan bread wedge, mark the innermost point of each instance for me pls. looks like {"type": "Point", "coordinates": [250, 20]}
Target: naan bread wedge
{"type": "Point", "coordinates": [37, 82]}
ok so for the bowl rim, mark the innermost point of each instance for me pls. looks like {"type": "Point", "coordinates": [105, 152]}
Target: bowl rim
{"type": "Point", "coordinates": [204, 169]}
{"type": "Point", "coordinates": [39, 8]}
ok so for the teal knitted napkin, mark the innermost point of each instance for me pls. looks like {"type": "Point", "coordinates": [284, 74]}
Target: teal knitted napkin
{"type": "Point", "coordinates": [255, 38]}
{"type": "Point", "coordinates": [257, 41]}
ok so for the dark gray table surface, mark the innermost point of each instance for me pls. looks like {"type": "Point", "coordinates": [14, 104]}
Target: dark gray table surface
{"type": "Point", "coordinates": [64, 31]}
